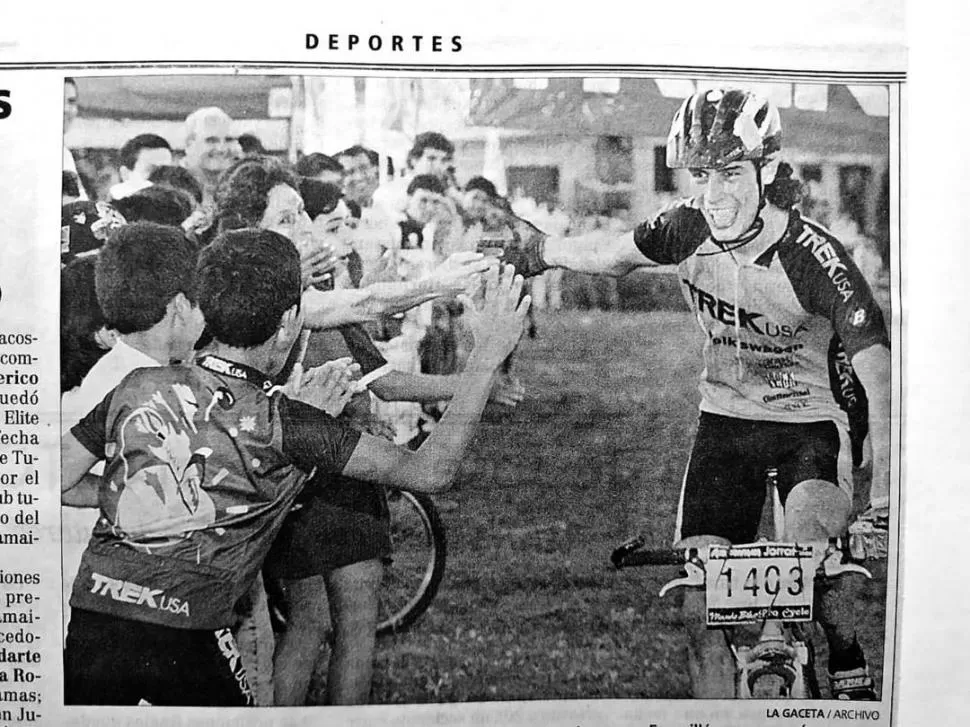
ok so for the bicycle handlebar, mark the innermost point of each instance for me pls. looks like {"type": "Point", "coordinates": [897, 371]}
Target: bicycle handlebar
{"type": "Point", "coordinates": [632, 554]}
{"type": "Point", "coordinates": [647, 557]}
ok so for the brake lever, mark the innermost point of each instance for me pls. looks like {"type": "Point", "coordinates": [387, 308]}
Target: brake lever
{"type": "Point", "coordinates": [833, 564]}
{"type": "Point", "coordinates": [694, 577]}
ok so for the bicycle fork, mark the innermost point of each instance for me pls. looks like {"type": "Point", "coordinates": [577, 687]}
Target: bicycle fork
{"type": "Point", "coordinates": [782, 663]}
{"type": "Point", "coordinates": [775, 667]}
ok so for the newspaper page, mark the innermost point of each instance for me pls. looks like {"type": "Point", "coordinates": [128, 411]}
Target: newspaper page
{"type": "Point", "coordinates": [712, 237]}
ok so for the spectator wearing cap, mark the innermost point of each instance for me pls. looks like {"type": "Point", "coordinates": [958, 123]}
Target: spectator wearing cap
{"type": "Point", "coordinates": [139, 157]}
{"type": "Point", "coordinates": [208, 147]}
{"type": "Point", "coordinates": [85, 227]}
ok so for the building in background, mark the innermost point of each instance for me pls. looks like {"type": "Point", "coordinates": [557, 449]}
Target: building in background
{"type": "Point", "coordinates": [594, 146]}
{"type": "Point", "coordinates": [597, 145]}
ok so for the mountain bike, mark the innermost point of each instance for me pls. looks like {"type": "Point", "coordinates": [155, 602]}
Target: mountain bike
{"type": "Point", "coordinates": [420, 549]}
{"type": "Point", "coordinates": [767, 584]}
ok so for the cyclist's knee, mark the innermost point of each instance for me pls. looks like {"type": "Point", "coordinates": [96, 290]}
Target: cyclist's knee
{"type": "Point", "coordinates": [815, 511]}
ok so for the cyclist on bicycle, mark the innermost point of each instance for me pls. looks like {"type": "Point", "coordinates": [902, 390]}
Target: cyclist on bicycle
{"type": "Point", "coordinates": [789, 323]}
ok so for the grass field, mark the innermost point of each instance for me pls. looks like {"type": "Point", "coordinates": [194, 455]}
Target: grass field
{"type": "Point", "coordinates": [530, 608]}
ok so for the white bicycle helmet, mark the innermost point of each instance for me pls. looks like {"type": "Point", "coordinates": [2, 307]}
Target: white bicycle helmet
{"type": "Point", "coordinates": [717, 127]}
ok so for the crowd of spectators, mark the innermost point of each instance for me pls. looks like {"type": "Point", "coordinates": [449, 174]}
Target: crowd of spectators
{"type": "Point", "coordinates": [382, 274]}
{"type": "Point", "coordinates": [382, 271]}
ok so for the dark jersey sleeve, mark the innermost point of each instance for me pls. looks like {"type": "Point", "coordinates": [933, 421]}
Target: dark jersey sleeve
{"type": "Point", "coordinates": [673, 235]}
{"type": "Point", "coordinates": [362, 348]}
{"type": "Point", "coordinates": [827, 283]}
{"type": "Point", "coordinates": [92, 430]}
{"type": "Point", "coordinates": [314, 439]}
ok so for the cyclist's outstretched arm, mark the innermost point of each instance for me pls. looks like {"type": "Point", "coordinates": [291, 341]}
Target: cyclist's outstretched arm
{"type": "Point", "coordinates": [873, 366]}
{"type": "Point", "coordinates": [668, 238]}
{"type": "Point", "coordinates": [596, 252]}
{"type": "Point", "coordinates": [497, 326]}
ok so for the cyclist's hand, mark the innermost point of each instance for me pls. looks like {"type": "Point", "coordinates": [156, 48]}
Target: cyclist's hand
{"type": "Point", "coordinates": [877, 514]}
{"type": "Point", "coordinates": [521, 247]}
{"type": "Point", "coordinates": [869, 534]}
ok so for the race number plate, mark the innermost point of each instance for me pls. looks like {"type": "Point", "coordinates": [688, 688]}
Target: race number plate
{"type": "Point", "coordinates": [749, 584]}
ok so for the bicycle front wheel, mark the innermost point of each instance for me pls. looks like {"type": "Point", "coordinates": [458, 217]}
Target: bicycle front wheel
{"type": "Point", "coordinates": [412, 579]}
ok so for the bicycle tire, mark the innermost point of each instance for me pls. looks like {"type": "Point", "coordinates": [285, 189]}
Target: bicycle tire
{"type": "Point", "coordinates": [412, 579]}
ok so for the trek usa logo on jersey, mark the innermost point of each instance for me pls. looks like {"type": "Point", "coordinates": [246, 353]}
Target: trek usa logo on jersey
{"type": "Point", "coordinates": [730, 315]}
{"type": "Point", "coordinates": [825, 253]}
{"type": "Point", "coordinates": [139, 595]}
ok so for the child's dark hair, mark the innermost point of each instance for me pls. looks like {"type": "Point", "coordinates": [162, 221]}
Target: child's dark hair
{"type": "Point", "coordinates": [159, 203]}
{"type": "Point", "coordinates": [178, 177]}
{"type": "Point", "coordinates": [81, 318]}
{"type": "Point", "coordinates": [139, 271]}
{"type": "Point", "coordinates": [428, 182]}
{"type": "Point", "coordinates": [313, 164]}
{"type": "Point", "coordinates": [247, 280]}
{"type": "Point", "coordinates": [319, 198]}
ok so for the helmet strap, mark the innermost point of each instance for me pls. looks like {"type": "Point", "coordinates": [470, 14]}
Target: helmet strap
{"type": "Point", "coordinates": [754, 229]}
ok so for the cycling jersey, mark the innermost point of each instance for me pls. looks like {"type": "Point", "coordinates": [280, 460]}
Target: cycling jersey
{"type": "Point", "coordinates": [202, 464]}
{"type": "Point", "coordinates": [781, 318]}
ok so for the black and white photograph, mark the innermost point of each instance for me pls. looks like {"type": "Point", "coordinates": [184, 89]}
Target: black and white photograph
{"type": "Point", "coordinates": [440, 388]}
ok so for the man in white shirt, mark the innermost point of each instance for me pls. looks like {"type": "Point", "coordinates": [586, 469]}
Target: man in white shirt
{"type": "Point", "coordinates": [145, 281]}
{"type": "Point", "coordinates": [208, 147]}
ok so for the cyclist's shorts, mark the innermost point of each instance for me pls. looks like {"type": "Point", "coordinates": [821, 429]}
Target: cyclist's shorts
{"type": "Point", "coordinates": [724, 488]}
{"type": "Point", "coordinates": [342, 523]}
{"type": "Point", "coordinates": [116, 661]}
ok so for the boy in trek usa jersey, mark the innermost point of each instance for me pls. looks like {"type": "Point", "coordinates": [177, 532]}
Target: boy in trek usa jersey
{"type": "Point", "coordinates": [790, 329]}
{"type": "Point", "coordinates": [203, 461]}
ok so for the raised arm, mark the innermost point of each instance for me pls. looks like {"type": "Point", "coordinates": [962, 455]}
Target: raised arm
{"type": "Point", "coordinates": [668, 238]}
{"type": "Point", "coordinates": [427, 388]}
{"type": "Point", "coordinates": [497, 326]}
{"type": "Point", "coordinates": [596, 252]}
{"type": "Point", "coordinates": [328, 309]}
